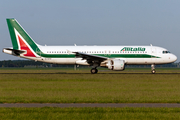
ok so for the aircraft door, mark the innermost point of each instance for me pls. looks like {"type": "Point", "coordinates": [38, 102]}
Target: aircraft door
{"type": "Point", "coordinates": [153, 54]}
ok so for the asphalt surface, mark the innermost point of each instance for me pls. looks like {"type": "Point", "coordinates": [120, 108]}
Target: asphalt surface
{"type": "Point", "coordinates": [65, 105]}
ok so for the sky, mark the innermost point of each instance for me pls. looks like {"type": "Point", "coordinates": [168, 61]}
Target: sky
{"type": "Point", "coordinates": [94, 22]}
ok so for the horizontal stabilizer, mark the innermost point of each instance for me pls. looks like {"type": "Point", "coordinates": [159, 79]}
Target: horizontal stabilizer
{"type": "Point", "coordinates": [13, 51]}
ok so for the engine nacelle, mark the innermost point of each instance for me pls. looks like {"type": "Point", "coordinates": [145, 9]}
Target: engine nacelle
{"type": "Point", "coordinates": [116, 64]}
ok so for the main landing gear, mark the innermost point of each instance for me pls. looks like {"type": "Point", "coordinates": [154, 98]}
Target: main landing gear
{"type": "Point", "coordinates": [153, 71]}
{"type": "Point", "coordinates": [94, 71]}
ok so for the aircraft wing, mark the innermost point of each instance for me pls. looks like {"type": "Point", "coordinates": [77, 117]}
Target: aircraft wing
{"type": "Point", "coordinates": [90, 57]}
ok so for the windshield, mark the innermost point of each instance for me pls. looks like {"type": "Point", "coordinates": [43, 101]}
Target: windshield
{"type": "Point", "coordinates": [165, 52]}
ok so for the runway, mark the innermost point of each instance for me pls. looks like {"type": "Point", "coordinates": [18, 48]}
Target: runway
{"type": "Point", "coordinates": [81, 105]}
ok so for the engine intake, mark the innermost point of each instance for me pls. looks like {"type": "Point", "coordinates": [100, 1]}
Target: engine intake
{"type": "Point", "coordinates": [116, 64]}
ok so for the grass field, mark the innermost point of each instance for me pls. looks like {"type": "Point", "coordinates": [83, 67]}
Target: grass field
{"type": "Point", "coordinates": [69, 86]}
{"type": "Point", "coordinates": [48, 113]}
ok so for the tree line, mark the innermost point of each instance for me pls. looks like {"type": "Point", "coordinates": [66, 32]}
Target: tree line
{"type": "Point", "coordinates": [25, 63]}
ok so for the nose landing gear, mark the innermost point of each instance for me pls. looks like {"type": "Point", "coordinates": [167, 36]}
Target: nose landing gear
{"type": "Point", "coordinates": [153, 71]}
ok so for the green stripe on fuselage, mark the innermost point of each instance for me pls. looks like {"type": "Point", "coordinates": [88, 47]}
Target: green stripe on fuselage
{"type": "Point", "coordinates": [103, 55]}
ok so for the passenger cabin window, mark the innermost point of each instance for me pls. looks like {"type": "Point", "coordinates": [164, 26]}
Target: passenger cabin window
{"type": "Point", "coordinates": [165, 52]}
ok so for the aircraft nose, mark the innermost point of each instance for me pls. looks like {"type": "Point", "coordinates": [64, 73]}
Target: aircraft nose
{"type": "Point", "coordinates": [173, 58]}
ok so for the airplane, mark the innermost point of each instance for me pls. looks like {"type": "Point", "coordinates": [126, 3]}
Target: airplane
{"type": "Point", "coordinates": [112, 57]}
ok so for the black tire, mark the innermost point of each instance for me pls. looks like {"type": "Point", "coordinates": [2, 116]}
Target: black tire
{"type": "Point", "coordinates": [153, 71]}
{"type": "Point", "coordinates": [94, 71]}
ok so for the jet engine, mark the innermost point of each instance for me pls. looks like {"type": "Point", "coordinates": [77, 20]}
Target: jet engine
{"type": "Point", "coordinates": [116, 64]}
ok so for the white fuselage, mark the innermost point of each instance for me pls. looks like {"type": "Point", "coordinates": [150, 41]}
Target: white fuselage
{"type": "Point", "coordinates": [151, 54]}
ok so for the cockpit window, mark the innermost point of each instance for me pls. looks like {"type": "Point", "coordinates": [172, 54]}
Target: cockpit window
{"type": "Point", "coordinates": [165, 52]}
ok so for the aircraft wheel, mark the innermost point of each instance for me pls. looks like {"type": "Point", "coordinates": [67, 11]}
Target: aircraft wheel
{"type": "Point", "coordinates": [153, 71]}
{"type": "Point", "coordinates": [94, 71]}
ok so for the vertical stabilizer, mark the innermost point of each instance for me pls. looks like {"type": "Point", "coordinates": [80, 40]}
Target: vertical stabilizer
{"type": "Point", "coordinates": [20, 39]}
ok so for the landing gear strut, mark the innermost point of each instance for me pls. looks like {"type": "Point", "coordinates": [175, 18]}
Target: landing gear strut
{"type": "Point", "coordinates": [94, 71]}
{"type": "Point", "coordinates": [153, 71]}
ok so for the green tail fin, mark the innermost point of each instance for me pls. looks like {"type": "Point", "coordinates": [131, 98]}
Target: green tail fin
{"type": "Point", "coordinates": [14, 29]}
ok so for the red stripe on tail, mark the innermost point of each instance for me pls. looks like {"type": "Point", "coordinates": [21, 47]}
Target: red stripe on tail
{"type": "Point", "coordinates": [23, 46]}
